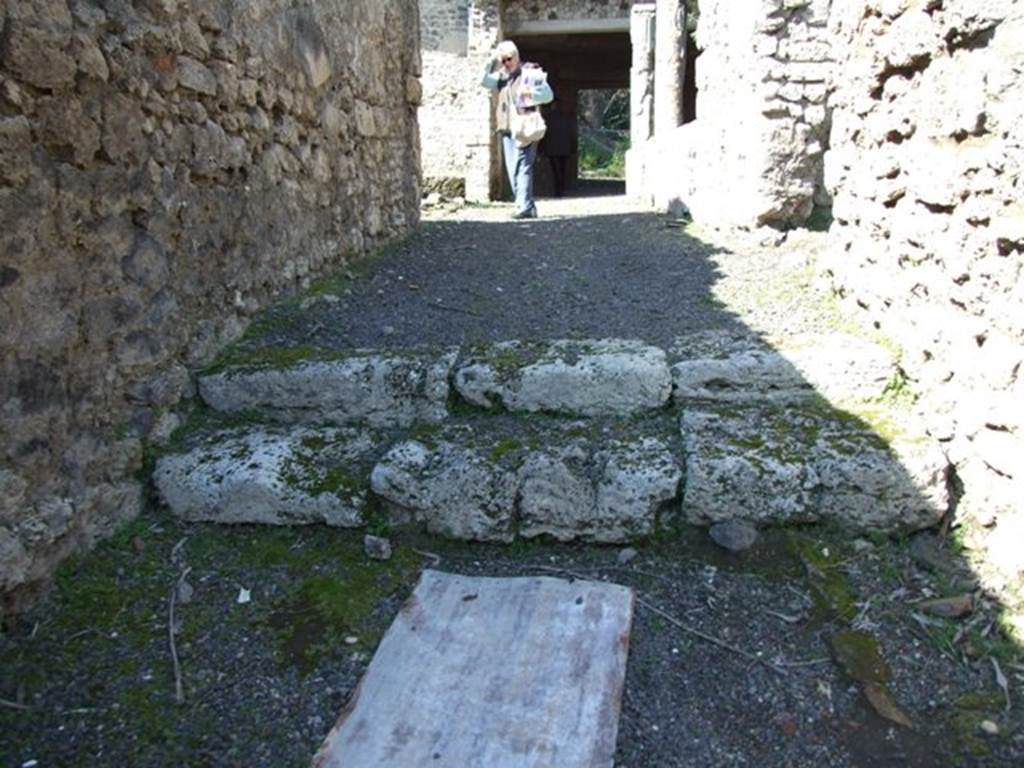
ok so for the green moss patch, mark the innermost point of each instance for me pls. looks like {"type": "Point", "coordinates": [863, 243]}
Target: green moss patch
{"type": "Point", "coordinates": [860, 656]}
{"type": "Point", "coordinates": [969, 712]}
{"type": "Point", "coordinates": [833, 596]}
{"type": "Point", "coordinates": [332, 609]}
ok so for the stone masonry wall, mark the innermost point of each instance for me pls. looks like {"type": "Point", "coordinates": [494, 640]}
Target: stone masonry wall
{"type": "Point", "coordinates": [455, 118]}
{"type": "Point", "coordinates": [166, 168]}
{"type": "Point", "coordinates": [928, 239]}
{"type": "Point", "coordinates": [444, 26]}
{"type": "Point", "coordinates": [754, 155]}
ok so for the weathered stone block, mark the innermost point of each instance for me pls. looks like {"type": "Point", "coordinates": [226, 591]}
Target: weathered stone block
{"type": "Point", "coordinates": [395, 389]}
{"type": "Point", "coordinates": [37, 55]}
{"type": "Point", "coordinates": [89, 58]}
{"type": "Point", "coordinates": [455, 491]}
{"type": "Point", "coordinates": [609, 376]}
{"type": "Point", "coordinates": [305, 476]}
{"type": "Point", "coordinates": [774, 465]}
{"type": "Point", "coordinates": [611, 493]}
{"type": "Point", "coordinates": [63, 122]}
{"type": "Point", "coordinates": [194, 76]}
{"type": "Point", "coordinates": [835, 366]}
{"type": "Point", "coordinates": [122, 129]}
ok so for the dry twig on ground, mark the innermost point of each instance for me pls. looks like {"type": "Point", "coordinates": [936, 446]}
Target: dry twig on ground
{"type": "Point", "coordinates": [179, 691]}
{"type": "Point", "coordinates": [15, 705]}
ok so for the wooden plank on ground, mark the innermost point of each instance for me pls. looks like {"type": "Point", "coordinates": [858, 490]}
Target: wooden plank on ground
{"type": "Point", "coordinates": [491, 673]}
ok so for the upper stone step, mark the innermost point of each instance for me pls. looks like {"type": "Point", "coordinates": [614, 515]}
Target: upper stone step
{"type": "Point", "coordinates": [718, 365]}
{"type": "Point", "coordinates": [586, 378]}
{"type": "Point", "coordinates": [378, 389]}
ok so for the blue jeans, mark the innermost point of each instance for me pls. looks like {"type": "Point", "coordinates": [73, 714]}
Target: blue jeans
{"type": "Point", "coordinates": [519, 164]}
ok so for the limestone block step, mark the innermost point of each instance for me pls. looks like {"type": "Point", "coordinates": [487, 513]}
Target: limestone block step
{"type": "Point", "coordinates": [454, 490]}
{"type": "Point", "coordinates": [569, 480]}
{"type": "Point", "coordinates": [260, 476]}
{"type": "Point", "coordinates": [722, 366]}
{"type": "Point", "coordinates": [609, 494]}
{"type": "Point", "coordinates": [378, 389]}
{"type": "Point", "coordinates": [779, 465]}
{"type": "Point", "coordinates": [607, 376]}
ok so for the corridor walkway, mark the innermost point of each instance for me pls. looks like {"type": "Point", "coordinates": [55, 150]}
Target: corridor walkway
{"type": "Point", "coordinates": [592, 267]}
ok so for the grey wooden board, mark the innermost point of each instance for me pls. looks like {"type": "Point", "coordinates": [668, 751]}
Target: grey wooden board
{"type": "Point", "coordinates": [491, 673]}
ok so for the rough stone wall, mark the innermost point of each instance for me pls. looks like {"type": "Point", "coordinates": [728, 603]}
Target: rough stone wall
{"type": "Point", "coordinates": [455, 118]}
{"type": "Point", "coordinates": [166, 168]}
{"type": "Point", "coordinates": [754, 156]}
{"type": "Point", "coordinates": [925, 167]}
{"type": "Point", "coordinates": [444, 25]}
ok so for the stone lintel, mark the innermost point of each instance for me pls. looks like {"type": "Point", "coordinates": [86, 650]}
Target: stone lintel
{"type": "Point", "coordinates": [566, 26]}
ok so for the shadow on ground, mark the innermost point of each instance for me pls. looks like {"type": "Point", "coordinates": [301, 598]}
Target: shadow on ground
{"type": "Point", "coordinates": [815, 647]}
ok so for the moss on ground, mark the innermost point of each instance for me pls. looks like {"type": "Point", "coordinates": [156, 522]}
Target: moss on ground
{"type": "Point", "coordinates": [328, 610]}
{"type": "Point", "coordinates": [860, 656]}
{"type": "Point", "coordinates": [834, 598]}
{"type": "Point", "coordinates": [969, 712]}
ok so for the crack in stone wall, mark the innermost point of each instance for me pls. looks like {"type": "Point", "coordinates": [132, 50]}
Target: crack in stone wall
{"type": "Point", "coordinates": [166, 169]}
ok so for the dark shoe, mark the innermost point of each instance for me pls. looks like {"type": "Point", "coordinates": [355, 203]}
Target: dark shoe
{"type": "Point", "coordinates": [529, 213]}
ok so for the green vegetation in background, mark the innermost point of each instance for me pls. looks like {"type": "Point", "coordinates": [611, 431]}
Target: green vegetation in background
{"type": "Point", "coordinates": [597, 158]}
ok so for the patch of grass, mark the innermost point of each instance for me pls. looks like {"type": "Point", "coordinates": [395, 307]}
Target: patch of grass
{"type": "Point", "coordinates": [427, 434]}
{"type": "Point", "coordinates": [860, 655]}
{"type": "Point", "coordinates": [309, 475]}
{"type": "Point", "coordinates": [597, 160]}
{"type": "Point", "coordinates": [239, 357]}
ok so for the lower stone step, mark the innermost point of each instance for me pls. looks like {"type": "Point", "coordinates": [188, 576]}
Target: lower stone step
{"type": "Point", "coordinates": [267, 476]}
{"type": "Point", "coordinates": [480, 479]}
{"type": "Point", "coordinates": [570, 480]}
{"type": "Point", "coordinates": [777, 464]}
{"type": "Point", "coordinates": [496, 477]}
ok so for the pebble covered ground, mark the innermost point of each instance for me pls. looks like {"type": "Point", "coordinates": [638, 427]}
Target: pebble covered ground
{"type": "Point", "coordinates": [812, 648]}
{"type": "Point", "coordinates": [731, 659]}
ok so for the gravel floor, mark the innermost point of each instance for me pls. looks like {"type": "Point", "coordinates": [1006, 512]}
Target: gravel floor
{"type": "Point", "coordinates": [588, 268]}
{"type": "Point", "coordinates": [731, 661]}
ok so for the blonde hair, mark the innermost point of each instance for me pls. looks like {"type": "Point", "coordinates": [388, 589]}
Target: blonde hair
{"type": "Point", "coordinates": [508, 48]}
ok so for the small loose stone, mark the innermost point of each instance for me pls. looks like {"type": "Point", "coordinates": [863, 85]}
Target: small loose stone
{"type": "Point", "coordinates": [734, 535]}
{"type": "Point", "coordinates": [377, 547]}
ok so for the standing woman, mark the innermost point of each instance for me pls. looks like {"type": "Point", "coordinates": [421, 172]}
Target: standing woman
{"type": "Point", "coordinates": [504, 75]}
